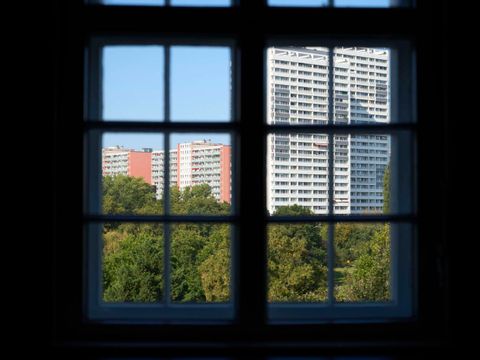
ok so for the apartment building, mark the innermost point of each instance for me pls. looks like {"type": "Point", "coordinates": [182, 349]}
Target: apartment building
{"type": "Point", "coordinates": [191, 163]}
{"type": "Point", "coordinates": [204, 162]}
{"type": "Point", "coordinates": [117, 160]}
{"type": "Point", "coordinates": [299, 93]}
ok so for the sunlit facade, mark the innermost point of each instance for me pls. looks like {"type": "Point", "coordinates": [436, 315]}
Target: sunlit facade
{"type": "Point", "coordinates": [298, 93]}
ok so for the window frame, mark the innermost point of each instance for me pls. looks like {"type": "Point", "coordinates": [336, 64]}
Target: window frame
{"type": "Point", "coordinates": [88, 20]}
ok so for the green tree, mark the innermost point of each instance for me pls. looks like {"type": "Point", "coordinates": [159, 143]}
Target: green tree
{"type": "Point", "coordinates": [296, 260]}
{"type": "Point", "coordinates": [349, 238]}
{"type": "Point", "coordinates": [386, 190]}
{"type": "Point", "coordinates": [369, 276]}
{"type": "Point", "coordinates": [196, 199]}
{"type": "Point", "coordinates": [196, 247]}
{"type": "Point", "coordinates": [133, 268]}
{"type": "Point", "coordinates": [127, 195]}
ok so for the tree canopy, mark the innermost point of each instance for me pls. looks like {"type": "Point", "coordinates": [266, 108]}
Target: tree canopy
{"type": "Point", "coordinates": [133, 263]}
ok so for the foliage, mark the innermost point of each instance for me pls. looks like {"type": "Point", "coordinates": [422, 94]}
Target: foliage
{"type": "Point", "coordinates": [126, 195]}
{"type": "Point", "coordinates": [386, 190]}
{"type": "Point", "coordinates": [369, 276]}
{"type": "Point", "coordinates": [200, 252]}
{"type": "Point", "coordinates": [133, 253]}
{"type": "Point", "coordinates": [296, 260]}
{"type": "Point", "coordinates": [133, 270]}
{"type": "Point", "coordinates": [349, 239]}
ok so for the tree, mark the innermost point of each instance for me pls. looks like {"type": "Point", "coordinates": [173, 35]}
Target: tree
{"type": "Point", "coordinates": [296, 260]}
{"type": "Point", "coordinates": [349, 238]}
{"type": "Point", "coordinates": [194, 244]}
{"type": "Point", "coordinates": [196, 199]}
{"type": "Point", "coordinates": [386, 190]}
{"type": "Point", "coordinates": [127, 195]}
{"type": "Point", "coordinates": [369, 276]}
{"type": "Point", "coordinates": [133, 271]}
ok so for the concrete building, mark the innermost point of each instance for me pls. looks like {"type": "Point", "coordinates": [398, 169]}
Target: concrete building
{"type": "Point", "coordinates": [203, 162]}
{"type": "Point", "coordinates": [191, 163]}
{"type": "Point", "coordinates": [118, 160]}
{"type": "Point", "coordinates": [299, 93]}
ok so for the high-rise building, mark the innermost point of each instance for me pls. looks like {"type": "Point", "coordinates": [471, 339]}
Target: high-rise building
{"type": "Point", "coordinates": [203, 162]}
{"type": "Point", "coordinates": [117, 160]}
{"type": "Point", "coordinates": [191, 163]}
{"type": "Point", "coordinates": [299, 93]}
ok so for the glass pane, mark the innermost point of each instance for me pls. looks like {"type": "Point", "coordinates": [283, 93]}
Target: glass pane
{"type": "Point", "coordinates": [298, 3]}
{"type": "Point", "coordinates": [132, 263]}
{"type": "Point", "coordinates": [362, 262]}
{"type": "Point", "coordinates": [299, 86]}
{"type": "Point", "coordinates": [297, 261]}
{"type": "Point", "coordinates": [200, 263]}
{"type": "Point", "coordinates": [132, 173]}
{"type": "Point", "coordinates": [372, 173]}
{"type": "Point", "coordinates": [200, 83]}
{"type": "Point", "coordinates": [222, 3]}
{"type": "Point", "coordinates": [340, 3]}
{"type": "Point", "coordinates": [206, 3]}
{"type": "Point", "coordinates": [134, 2]}
{"type": "Point", "coordinates": [133, 83]}
{"type": "Point", "coordinates": [366, 172]}
{"type": "Point", "coordinates": [297, 173]}
{"type": "Point", "coordinates": [368, 3]}
{"type": "Point", "coordinates": [201, 173]}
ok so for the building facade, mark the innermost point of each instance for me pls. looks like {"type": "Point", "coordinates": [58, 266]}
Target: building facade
{"type": "Point", "coordinates": [203, 162]}
{"type": "Point", "coordinates": [117, 160]}
{"type": "Point", "coordinates": [191, 163]}
{"type": "Point", "coordinates": [299, 93]}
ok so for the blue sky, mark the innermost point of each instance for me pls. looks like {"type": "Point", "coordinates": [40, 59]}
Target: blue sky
{"type": "Point", "coordinates": [155, 141]}
{"type": "Point", "coordinates": [133, 81]}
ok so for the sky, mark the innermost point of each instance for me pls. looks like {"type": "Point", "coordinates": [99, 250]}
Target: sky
{"type": "Point", "coordinates": [133, 81]}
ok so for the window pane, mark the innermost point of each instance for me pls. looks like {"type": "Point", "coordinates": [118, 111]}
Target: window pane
{"type": "Point", "coordinates": [297, 261]}
{"type": "Point", "coordinates": [299, 86]}
{"type": "Point", "coordinates": [222, 3]}
{"type": "Point", "coordinates": [365, 170]}
{"type": "Point", "coordinates": [362, 262]}
{"type": "Point", "coordinates": [132, 263]}
{"type": "Point", "coordinates": [134, 2]}
{"type": "Point", "coordinates": [368, 3]}
{"type": "Point", "coordinates": [200, 263]}
{"type": "Point", "coordinates": [132, 173]}
{"type": "Point", "coordinates": [201, 173]}
{"type": "Point", "coordinates": [133, 83]}
{"type": "Point", "coordinates": [206, 3]}
{"type": "Point", "coordinates": [200, 83]}
{"type": "Point", "coordinates": [372, 173]}
{"type": "Point", "coordinates": [297, 172]}
{"type": "Point", "coordinates": [299, 3]}
{"type": "Point", "coordinates": [340, 3]}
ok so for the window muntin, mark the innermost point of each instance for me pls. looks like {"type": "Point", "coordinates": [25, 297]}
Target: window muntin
{"type": "Point", "coordinates": [273, 310]}
{"type": "Point", "coordinates": [365, 148]}
{"type": "Point", "coordinates": [195, 3]}
{"type": "Point", "coordinates": [340, 3]}
{"type": "Point", "coordinates": [158, 291]}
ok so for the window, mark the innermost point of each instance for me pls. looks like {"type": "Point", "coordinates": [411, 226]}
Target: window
{"type": "Point", "coordinates": [336, 158]}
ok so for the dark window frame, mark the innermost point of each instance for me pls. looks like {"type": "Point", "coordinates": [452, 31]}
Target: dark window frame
{"type": "Point", "coordinates": [77, 22]}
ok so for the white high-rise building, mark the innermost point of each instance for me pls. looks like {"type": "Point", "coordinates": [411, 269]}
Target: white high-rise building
{"type": "Point", "coordinates": [297, 164]}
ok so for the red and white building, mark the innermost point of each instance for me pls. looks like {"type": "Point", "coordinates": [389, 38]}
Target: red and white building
{"type": "Point", "coordinates": [191, 163]}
